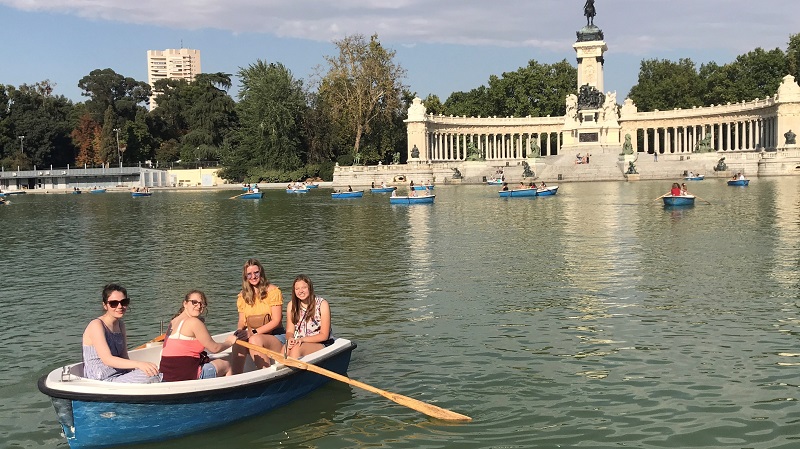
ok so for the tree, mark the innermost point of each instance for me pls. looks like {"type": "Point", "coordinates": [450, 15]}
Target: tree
{"type": "Point", "coordinates": [362, 86]}
{"type": "Point", "coordinates": [84, 136]}
{"type": "Point", "coordinates": [536, 90]}
{"type": "Point", "coordinates": [666, 85]}
{"type": "Point", "coordinates": [43, 119]}
{"type": "Point", "coordinates": [755, 74]}
{"type": "Point", "coordinates": [271, 110]}
{"type": "Point", "coordinates": [433, 105]}
{"type": "Point", "coordinates": [471, 104]}
{"type": "Point", "coordinates": [108, 89]}
{"type": "Point", "coordinates": [198, 115]}
{"type": "Point", "coordinates": [793, 56]}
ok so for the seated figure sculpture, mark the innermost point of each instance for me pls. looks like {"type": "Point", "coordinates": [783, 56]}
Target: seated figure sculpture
{"type": "Point", "coordinates": [721, 165]}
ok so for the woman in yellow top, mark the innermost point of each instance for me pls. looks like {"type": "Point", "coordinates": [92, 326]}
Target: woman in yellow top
{"type": "Point", "coordinates": [260, 305]}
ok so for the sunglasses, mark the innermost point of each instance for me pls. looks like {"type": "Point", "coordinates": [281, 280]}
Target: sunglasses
{"type": "Point", "coordinates": [254, 274]}
{"type": "Point", "coordinates": [116, 303]}
{"type": "Point", "coordinates": [196, 303]}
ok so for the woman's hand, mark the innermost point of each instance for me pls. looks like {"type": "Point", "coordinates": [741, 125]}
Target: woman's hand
{"type": "Point", "coordinates": [292, 342]}
{"type": "Point", "coordinates": [149, 368]}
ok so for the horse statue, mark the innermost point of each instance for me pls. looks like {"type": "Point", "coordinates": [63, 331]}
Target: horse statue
{"type": "Point", "coordinates": [589, 12]}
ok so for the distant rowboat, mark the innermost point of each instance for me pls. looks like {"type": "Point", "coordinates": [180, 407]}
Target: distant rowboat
{"type": "Point", "coordinates": [303, 190]}
{"type": "Point", "coordinates": [423, 187]}
{"type": "Point", "coordinates": [739, 182]}
{"type": "Point", "coordinates": [354, 194]}
{"type": "Point", "coordinates": [547, 191]}
{"type": "Point", "coordinates": [517, 193]}
{"type": "Point", "coordinates": [251, 196]}
{"type": "Point", "coordinates": [382, 189]}
{"type": "Point", "coordinates": [136, 194]}
{"type": "Point", "coordinates": [678, 200]}
{"type": "Point", "coordinates": [97, 191]}
{"type": "Point", "coordinates": [423, 199]}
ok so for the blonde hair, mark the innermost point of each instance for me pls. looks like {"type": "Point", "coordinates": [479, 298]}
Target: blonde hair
{"type": "Point", "coordinates": [249, 291]}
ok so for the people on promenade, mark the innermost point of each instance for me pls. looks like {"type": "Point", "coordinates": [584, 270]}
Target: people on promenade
{"type": "Point", "coordinates": [655, 156]}
{"type": "Point", "coordinates": [260, 306]}
{"type": "Point", "coordinates": [308, 320]}
{"type": "Point", "coordinates": [676, 189]}
{"type": "Point", "coordinates": [105, 344]}
{"type": "Point", "coordinates": [184, 356]}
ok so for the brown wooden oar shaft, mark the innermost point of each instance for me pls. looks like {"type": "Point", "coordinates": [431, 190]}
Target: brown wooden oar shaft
{"type": "Point", "coordinates": [155, 340]}
{"type": "Point", "coordinates": [422, 407]}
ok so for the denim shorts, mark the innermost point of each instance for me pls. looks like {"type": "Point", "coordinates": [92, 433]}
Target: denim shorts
{"type": "Point", "coordinates": [209, 371]}
{"type": "Point", "coordinates": [281, 338]}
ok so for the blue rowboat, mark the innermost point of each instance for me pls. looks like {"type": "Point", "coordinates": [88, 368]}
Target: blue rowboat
{"type": "Point", "coordinates": [76, 192]}
{"type": "Point", "coordinates": [97, 191]}
{"type": "Point", "coordinates": [695, 178]}
{"type": "Point", "coordinates": [303, 190]}
{"type": "Point", "coordinates": [312, 186]}
{"type": "Point", "coordinates": [739, 182]}
{"type": "Point", "coordinates": [16, 192]}
{"type": "Point", "coordinates": [95, 414]}
{"type": "Point", "coordinates": [135, 194]}
{"type": "Point", "coordinates": [2, 194]}
{"type": "Point", "coordinates": [251, 196]}
{"type": "Point", "coordinates": [517, 193]}
{"type": "Point", "coordinates": [382, 189]}
{"type": "Point", "coordinates": [423, 187]}
{"type": "Point", "coordinates": [547, 191]}
{"type": "Point", "coordinates": [423, 199]}
{"type": "Point", "coordinates": [679, 200]}
{"type": "Point", "coordinates": [355, 194]}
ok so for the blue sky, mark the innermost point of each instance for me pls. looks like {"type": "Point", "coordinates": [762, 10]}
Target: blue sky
{"type": "Point", "coordinates": [445, 45]}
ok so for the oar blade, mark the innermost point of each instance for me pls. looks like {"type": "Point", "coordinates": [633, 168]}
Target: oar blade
{"type": "Point", "coordinates": [415, 404]}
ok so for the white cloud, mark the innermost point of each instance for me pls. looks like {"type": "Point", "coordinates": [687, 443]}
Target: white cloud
{"type": "Point", "coordinates": [638, 26]}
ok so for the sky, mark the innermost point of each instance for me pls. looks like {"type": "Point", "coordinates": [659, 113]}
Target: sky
{"type": "Point", "coordinates": [445, 45]}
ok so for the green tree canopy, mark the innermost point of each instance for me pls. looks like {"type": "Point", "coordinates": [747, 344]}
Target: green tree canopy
{"type": "Point", "coordinates": [667, 84]}
{"type": "Point", "coordinates": [362, 87]}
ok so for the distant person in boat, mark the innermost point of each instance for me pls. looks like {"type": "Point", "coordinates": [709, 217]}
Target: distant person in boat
{"type": "Point", "coordinates": [183, 356]}
{"type": "Point", "coordinates": [542, 185]}
{"type": "Point", "coordinates": [255, 188]}
{"type": "Point", "coordinates": [373, 184]}
{"type": "Point", "coordinates": [394, 192]}
{"type": "Point", "coordinates": [684, 190]}
{"type": "Point", "coordinates": [411, 184]}
{"type": "Point", "coordinates": [676, 189]}
{"type": "Point", "coordinates": [412, 193]}
{"type": "Point", "coordinates": [260, 306]}
{"type": "Point", "coordinates": [383, 184]}
{"type": "Point", "coordinates": [521, 185]}
{"type": "Point", "coordinates": [532, 185]}
{"type": "Point", "coordinates": [105, 344]}
{"type": "Point", "coordinates": [505, 187]}
{"type": "Point", "coordinates": [349, 189]}
{"type": "Point", "coordinates": [308, 320]}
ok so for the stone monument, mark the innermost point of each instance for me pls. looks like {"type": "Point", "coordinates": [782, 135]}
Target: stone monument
{"type": "Point", "coordinates": [592, 118]}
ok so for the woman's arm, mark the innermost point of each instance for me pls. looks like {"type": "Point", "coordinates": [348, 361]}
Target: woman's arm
{"type": "Point", "coordinates": [289, 323]}
{"type": "Point", "coordinates": [199, 330]}
{"type": "Point", "coordinates": [324, 325]}
{"type": "Point", "coordinates": [95, 334]}
{"type": "Point", "coordinates": [275, 318]}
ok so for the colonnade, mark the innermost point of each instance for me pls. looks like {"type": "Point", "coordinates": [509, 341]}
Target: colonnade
{"type": "Point", "coordinates": [455, 146]}
{"type": "Point", "coordinates": [749, 134]}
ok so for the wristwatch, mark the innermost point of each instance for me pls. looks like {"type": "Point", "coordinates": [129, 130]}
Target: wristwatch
{"type": "Point", "coordinates": [255, 331]}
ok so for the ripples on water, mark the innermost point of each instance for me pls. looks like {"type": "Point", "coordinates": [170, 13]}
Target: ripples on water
{"type": "Point", "coordinates": [595, 318]}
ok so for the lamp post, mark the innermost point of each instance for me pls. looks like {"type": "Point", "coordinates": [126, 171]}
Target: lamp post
{"type": "Point", "coordinates": [119, 153]}
{"type": "Point", "coordinates": [21, 144]}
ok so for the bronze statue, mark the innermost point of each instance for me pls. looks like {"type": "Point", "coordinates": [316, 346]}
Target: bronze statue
{"type": "Point", "coordinates": [589, 12]}
{"type": "Point", "coordinates": [415, 152]}
{"type": "Point", "coordinates": [627, 147]}
{"type": "Point", "coordinates": [631, 169]}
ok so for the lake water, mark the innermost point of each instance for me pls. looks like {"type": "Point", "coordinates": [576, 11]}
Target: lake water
{"type": "Point", "coordinates": [594, 318]}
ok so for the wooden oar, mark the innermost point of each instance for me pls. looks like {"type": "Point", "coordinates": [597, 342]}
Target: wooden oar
{"type": "Point", "coordinates": [701, 199]}
{"type": "Point", "coordinates": [662, 196]}
{"type": "Point", "coordinates": [237, 196]}
{"type": "Point", "coordinates": [422, 407]}
{"type": "Point", "coordinates": [155, 340]}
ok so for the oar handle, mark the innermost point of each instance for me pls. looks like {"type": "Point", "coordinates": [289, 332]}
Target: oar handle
{"type": "Point", "coordinates": [422, 407]}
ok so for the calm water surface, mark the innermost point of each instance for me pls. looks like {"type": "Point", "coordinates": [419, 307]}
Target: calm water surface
{"type": "Point", "coordinates": [595, 318]}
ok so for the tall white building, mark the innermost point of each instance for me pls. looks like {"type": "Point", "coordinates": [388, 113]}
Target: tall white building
{"type": "Point", "coordinates": [181, 63]}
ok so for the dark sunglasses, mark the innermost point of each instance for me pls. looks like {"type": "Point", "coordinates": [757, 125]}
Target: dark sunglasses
{"type": "Point", "coordinates": [115, 303]}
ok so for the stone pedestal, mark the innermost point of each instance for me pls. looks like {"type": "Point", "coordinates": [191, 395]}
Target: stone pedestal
{"type": "Point", "coordinates": [634, 177]}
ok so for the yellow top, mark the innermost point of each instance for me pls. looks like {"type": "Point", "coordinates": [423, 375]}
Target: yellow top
{"type": "Point", "coordinates": [274, 297]}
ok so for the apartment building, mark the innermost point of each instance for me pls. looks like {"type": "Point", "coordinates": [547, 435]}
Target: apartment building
{"type": "Point", "coordinates": [183, 63]}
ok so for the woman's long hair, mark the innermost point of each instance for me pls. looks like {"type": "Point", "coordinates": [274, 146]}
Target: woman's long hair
{"type": "Point", "coordinates": [249, 291]}
{"type": "Point", "coordinates": [312, 300]}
